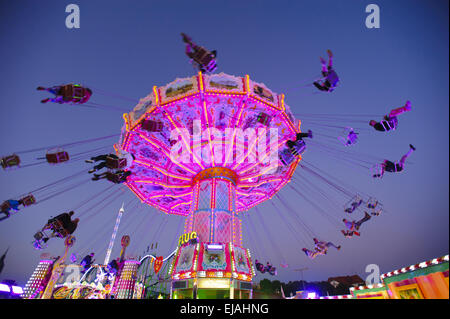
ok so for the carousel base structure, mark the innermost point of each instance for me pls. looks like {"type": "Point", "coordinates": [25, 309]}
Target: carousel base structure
{"type": "Point", "coordinates": [212, 271]}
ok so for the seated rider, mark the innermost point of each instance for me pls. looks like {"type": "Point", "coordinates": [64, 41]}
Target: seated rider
{"type": "Point", "coordinates": [103, 158]}
{"type": "Point", "coordinates": [65, 226]}
{"type": "Point", "coordinates": [87, 261]}
{"type": "Point", "coordinates": [67, 93]}
{"type": "Point", "coordinates": [354, 225]}
{"type": "Point", "coordinates": [350, 139]}
{"type": "Point", "coordinates": [390, 122]}
{"type": "Point", "coordinates": [64, 219]}
{"type": "Point", "coordinates": [330, 79]}
{"type": "Point", "coordinates": [117, 177]}
{"type": "Point", "coordinates": [372, 205]}
{"type": "Point", "coordinates": [394, 167]}
{"type": "Point", "coordinates": [321, 245]}
{"type": "Point", "coordinates": [72, 226]}
{"type": "Point", "coordinates": [260, 267]}
{"type": "Point", "coordinates": [7, 205]}
{"type": "Point", "coordinates": [113, 267]}
{"type": "Point", "coordinates": [298, 146]}
{"type": "Point", "coordinates": [112, 161]}
{"type": "Point", "coordinates": [354, 205]}
{"type": "Point", "coordinates": [270, 269]}
{"type": "Point", "coordinates": [294, 148]}
{"type": "Point", "coordinates": [321, 248]}
{"type": "Point", "coordinates": [10, 161]}
{"type": "Point", "coordinates": [203, 57]}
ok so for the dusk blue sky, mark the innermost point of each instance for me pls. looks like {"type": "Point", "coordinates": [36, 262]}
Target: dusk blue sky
{"type": "Point", "coordinates": [127, 47]}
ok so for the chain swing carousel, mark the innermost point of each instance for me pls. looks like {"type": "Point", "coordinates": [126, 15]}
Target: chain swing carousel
{"type": "Point", "coordinates": [203, 150]}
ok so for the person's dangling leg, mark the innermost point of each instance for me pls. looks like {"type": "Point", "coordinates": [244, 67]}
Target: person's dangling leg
{"type": "Point", "coordinates": [7, 214]}
{"type": "Point", "coordinates": [404, 157]}
{"type": "Point", "coordinates": [299, 136]}
{"type": "Point", "coordinates": [314, 254]}
{"type": "Point", "coordinates": [330, 244]}
{"type": "Point", "coordinates": [362, 220]}
{"type": "Point", "coordinates": [323, 62]}
{"type": "Point", "coordinates": [321, 87]}
{"type": "Point", "coordinates": [330, 59]}
{"type": "Point", "coordinates": [98, 167]}
{"type": "Point", "coordinates": [99, 158]}
{"type": "Point", "coordinates": [50, 100]}
{"type": "Point", "coordinates": [402, 161]}
{"type": "Point", "coordinates": [400, 110]}
{"type": "Point", "coordinates": [99, 176]}
{"type": "Point", "coordinates": [54, 90]}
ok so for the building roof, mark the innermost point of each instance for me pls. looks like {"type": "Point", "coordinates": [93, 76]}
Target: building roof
{"type": "Point", "coordinates": [347, 280]}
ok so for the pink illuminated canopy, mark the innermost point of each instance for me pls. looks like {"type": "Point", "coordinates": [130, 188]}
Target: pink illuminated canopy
{"type": "Point", "coordinates": [192, 124]}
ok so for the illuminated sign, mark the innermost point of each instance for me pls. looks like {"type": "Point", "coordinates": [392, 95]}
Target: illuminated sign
{"type": "Point", "coordinates": [214, 283]}
{"type": "Point", "coordinates": [185, 238]}
{"type": "Point", "coordinates": [214, 247]}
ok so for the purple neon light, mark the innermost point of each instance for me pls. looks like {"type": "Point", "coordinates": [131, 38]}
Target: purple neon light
{"type": "Point", "coordinates": [4, 288]}
{"type": "Point", "coordinates": [311, 295]}
{"type": "Point", "coordinates": [17, 290]}
{"type": "Point", "coordinates": [177, 112]}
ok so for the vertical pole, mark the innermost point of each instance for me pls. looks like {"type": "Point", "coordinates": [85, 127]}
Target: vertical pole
{"type": "Point", "coordinates": [113, 237]}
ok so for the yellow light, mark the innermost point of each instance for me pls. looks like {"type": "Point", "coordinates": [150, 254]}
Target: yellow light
{"type": "Point", "coordinates": [216, 283]}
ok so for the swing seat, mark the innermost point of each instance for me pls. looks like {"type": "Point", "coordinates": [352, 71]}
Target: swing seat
{"type": "Point", "coordinates": [28, 200]}
{"type": "Point", "coordinates": [152, 126]}
{"type": "Point", "coordinates": [264, 119]}
{"type": "Point", "coordinates": [58, 157]}
{"type": "Point", "coordinates": [116, 178]}
{"type": "Point", "coordinates": [204, 59]}
{"type": "Point", "coordinates": [5, 206]}
{"type": "Point", "coordinates": [10, 161]}
{"type": "Point", "coordinates": [39, 235]}
{"type": "Point", "coordinates": [298, 148]}
{"type": "Point", "coordinates": [78, 92]}
{"type": "Point", "coordinates": [74, 93]}
{"type": "Point", "coordinates": [38, 245]}
{"type": "Point", "coordinates": [286, 156]}
{"type": "Point", "coordinates": [212, 65]}
{"type": "Point", "coordinates": [348, 137]}
{"type": "Point", "coordinates": [116, 163]}
{"type": "Point", "coordinates": [390, 123]}
{"type": "Point", "coordinates": [58, 228]}
{"type": "Point", "coordinates": [67, 93]}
